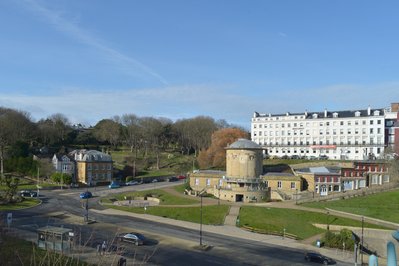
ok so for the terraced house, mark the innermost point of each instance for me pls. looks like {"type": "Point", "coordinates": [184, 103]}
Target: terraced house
{"type": "Point", "coordinates": [358, 134]}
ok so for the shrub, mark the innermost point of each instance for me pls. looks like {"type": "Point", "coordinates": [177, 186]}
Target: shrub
{"type": "Point", "coordinates": [333, 240]}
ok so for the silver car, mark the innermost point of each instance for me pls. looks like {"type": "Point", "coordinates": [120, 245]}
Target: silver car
{"type": "Point", "coordinates": [135, 238]}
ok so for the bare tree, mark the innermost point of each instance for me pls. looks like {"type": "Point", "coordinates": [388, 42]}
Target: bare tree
{"type": "Point", "coordinates": [131, 131]}
{"type": "Point", "coordinates": [108, 130]}
{"type": "Point", "coordinates": [54, 128]}
{"type": "Point", "coordinates": [14, 126]}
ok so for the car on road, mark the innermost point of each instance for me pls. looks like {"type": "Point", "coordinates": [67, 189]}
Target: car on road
{"type": "Point", "coordinates": [28, 194]}
{"type": "Point", "coordinates": [131, 183]}
{"type": "Point", "coordinates": [316, 257]}
{"type": "Point", "coordinates": [154, 181]}
{"type": "Point", "coordinates": [323, 157]}
{"type": "Point", "coordinates": [86, 195]}
{"type": "Point", "coordinates": [135, 238]}
{"type": "Point", "coordinates": [180, 177]}
{"type": "Point", "coordinates": [114, 185]}
{"type": "Point", "coordinates": [172, 179]}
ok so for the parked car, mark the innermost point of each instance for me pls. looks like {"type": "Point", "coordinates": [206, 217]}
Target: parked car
{"type": "Point", "coordinates": [181, 177]}
{"type": "Point", "coordinates": [316, 257]}
{"type": "Point", "coordinates": [154, 181]}
{"type": "Point", "coordinates": [173, 179]}
{"type": "Point", "coordinates": [295, 157]}
{"type": "Point", "coordinates": [86, 195]}
{"type": "Point", "coordinates": [131, 183]}
{"type": "Point", "coordinates": [323, 157]}
{"type": "Point", "coordinates": [135, 238]}
{"type": "Point", "coordinates": [114, 185]}
{"type": "Point", "coordinates": [28, 194]}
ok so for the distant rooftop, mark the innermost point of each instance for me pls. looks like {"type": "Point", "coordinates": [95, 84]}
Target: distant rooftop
{"type": "Point", "coordinates": [330, 114]}
{"type": "Point", "coordinates": [319, 170]}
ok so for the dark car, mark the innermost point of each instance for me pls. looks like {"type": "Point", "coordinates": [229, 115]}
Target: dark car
{"type": "Point", "coordinates": [323, 157]}
{"type": "Point", "coordinates": [173, 179]}
{"type": "Point", "coordinates": [316, 257]}
{"type": "Point", "coordinates": [86, 195]}
{"type": "Point", "coordinates": [135, 238]}
{"type": "Point", "coordinates": [28, 193]}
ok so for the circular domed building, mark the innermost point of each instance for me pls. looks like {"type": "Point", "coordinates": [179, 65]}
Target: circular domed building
{"type": "Point", "coordinates": [242, 181]}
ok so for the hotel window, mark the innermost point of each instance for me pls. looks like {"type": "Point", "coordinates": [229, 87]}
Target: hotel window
{"type": "Point", "coordinates": [196, 181]}
{"type": "Point", "coordinates": [379, 122]}
{"type": "Point", "coordinates": [371, 122]}
{"type": "Point", "coordinates": [279, 184]}
{"type": "Point", "coordinates": [364, 122]}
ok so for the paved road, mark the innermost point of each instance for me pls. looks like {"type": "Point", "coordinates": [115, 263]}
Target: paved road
{"type": "Point", "coordinates": [169, 244]}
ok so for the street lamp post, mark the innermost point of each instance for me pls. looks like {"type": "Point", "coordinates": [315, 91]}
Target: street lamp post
{"type": "Point", "coordinates": [219, 196]}
{"type": "Point", "coordinates": [201, 222]}
{"type": "Point", "coordinates": [87, 208]}
{"type": "Point", "coordinates": [200, 194]}
{"type": "Point", "coordinates": [328, 220]}
{"type": "Point", "coordinates": [361, 248]}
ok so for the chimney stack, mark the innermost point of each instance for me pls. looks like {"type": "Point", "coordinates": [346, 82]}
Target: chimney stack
{"type": "Point", "coordinates": [369, 110]}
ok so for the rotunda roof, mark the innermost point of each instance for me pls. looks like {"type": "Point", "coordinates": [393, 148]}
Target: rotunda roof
{"type": "Point", "coordinates": [244, 144]}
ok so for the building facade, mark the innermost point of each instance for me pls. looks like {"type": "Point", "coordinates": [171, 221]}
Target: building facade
{"type": "Point", "coordinates": [64, 164]}
{"type": "Point", "coordinates": [86, 166]}
{"type": "Point", "coordinates": [365, 174]}
{"type": "Point", "coordinates": [339, 135]}
{"type": "Point", "coordinates": [242, 181]}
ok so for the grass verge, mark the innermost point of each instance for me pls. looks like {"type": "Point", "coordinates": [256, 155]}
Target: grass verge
{"type": "Point", "coordinates": [165, 198]}
{"type": "Point", "coordinates": [212, 215]}
{"type": "Point", "coordinates": [26, 203]}
{"type": "Point", "coordinates": [296, 222]}
{"type": "Point", "coordinates": [382, 206]}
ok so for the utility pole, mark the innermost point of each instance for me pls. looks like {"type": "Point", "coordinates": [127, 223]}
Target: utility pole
{"type": "Point", "coordinates": [38, 186]}
{"type": "Point", "coordinates": [362, 247]}
{"type": "Point", "coordinates": [201, 223]}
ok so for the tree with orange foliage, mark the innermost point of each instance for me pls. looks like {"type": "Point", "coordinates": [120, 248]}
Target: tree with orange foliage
{"type": "Point", "coordinates": [215, 155]}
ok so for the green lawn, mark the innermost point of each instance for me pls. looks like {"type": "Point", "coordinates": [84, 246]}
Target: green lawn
{"type": "Point", "coordinates": [26, 203]}
{"type": "Point", "coordinates": [15, 251]}
{"type": "Point", "coordinates": [166, 198]}
{"type": "Point", "coordinates": [213, 215]}
{"type": "Point", "coordinates": [295, 222]}
{"type": "Point", "coordinates": [382, 206]}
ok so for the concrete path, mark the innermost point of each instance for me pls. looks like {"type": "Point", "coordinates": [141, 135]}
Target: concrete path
{"type": "Point", "coordinates": [231, 218]}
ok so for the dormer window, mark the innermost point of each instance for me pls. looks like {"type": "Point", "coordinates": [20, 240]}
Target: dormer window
{"type": "Point", "coordinates": [335, 115]}
{"type": "Point", "coordinates": [357, 113]}
{"type": "Point", "coordinates": [376, 112]}
{"type": "Point", "coordinates": [314, 115]}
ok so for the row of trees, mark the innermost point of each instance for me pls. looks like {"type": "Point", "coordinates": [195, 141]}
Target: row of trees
{"type": "Point", "coordinates": [20, 135]}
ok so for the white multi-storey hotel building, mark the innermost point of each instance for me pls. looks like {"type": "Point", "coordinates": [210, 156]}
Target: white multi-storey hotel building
{"type": "Point", "coordinates": [344, 135]}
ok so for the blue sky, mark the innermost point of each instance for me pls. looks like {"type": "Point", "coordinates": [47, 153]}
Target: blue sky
{"type": "Point", "coordinates": [178, 59]}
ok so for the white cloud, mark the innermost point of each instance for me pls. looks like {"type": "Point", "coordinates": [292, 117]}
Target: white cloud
{"type": "Point", "coordinates": [88, 106]}
{"type": "Point", "coordinates": [129, 65]}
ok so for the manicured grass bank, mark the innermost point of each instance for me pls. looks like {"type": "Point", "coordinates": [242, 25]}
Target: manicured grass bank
{"type": "Point", "coordinates": [213, 215]}
{"type": "Point", "coordinates": [382, 206]}
{"type": "Point", "coordinates": [297, 222]}
{"type": "Point", "coordinates": [166, 198]}
{"type": "Point", "coordinates": [26, 203]}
